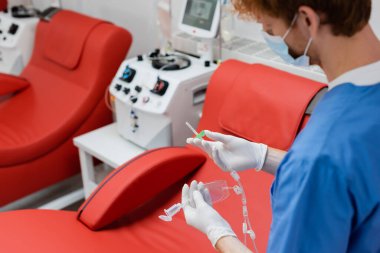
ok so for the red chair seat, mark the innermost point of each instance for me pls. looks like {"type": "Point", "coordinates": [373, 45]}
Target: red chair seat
{"type": "Point", "coordinates": [39, 231]}
{"type": "Point", "coordinates": [42, 128]}
{"type": "Point", "coordinates": [73, 62]}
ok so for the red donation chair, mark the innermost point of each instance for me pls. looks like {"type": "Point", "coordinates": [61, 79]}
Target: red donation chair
{"type": "Point", "coordinates": [58, 96]}
{"type": "Point", "coordinates": [121, 215]}
{"type": "Point", "coordinates": [3, 5]}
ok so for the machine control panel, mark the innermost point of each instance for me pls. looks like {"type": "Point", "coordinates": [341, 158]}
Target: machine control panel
{"type": "Point", "coordinates": [151, 105]}
{"type": "Point", "coordinates": [138, 83]}
{"type": "Point", "coordinates": [9, 32]}
{"type": "Point", "coordinates": [16, 42]}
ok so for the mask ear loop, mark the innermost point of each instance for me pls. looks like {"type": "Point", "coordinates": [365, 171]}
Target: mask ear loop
{"type": "Point", "coordinates": [290, 27]}
{"type": "Point", "coordinates": [311, 38]}
{"type": "Point", "coordinates": [308, 46]}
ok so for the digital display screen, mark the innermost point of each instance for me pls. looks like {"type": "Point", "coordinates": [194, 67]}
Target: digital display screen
{"type": "Point", "coordinates": [200, 13]}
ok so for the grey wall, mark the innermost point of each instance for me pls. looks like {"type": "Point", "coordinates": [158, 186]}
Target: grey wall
{"type": "Point", "coordinates": [138, 16]}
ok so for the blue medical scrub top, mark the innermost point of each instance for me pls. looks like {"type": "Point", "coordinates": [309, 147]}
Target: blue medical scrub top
{"type": "Point", "coordinates": [326, 194]}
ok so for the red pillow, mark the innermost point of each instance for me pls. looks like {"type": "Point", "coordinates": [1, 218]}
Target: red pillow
{"type": "Point", "coordinates": [137, 182]}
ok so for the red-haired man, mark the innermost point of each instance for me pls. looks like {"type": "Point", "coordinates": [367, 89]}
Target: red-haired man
{"type": "Point", "coordinates": [326, 194]}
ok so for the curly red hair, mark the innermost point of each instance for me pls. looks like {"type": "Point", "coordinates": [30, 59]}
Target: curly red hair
{"type": "Point", "coordinates": [346, 17]}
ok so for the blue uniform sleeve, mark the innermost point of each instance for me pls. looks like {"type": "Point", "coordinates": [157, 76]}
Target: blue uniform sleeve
{"type": "Point", "coordinates": [312, 208]}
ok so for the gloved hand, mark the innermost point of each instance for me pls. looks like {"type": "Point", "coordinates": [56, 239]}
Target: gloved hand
{"type": "Point", "coordinates": [232, 153]}
{"type": "Point", "coordinates": [202, 216]}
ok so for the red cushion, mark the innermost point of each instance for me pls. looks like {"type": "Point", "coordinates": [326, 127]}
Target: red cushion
{"type": "Point", "coordinates": [10, 84]}
{"type": "Point", "coordinates": [136, 182]}
{"type": "Point", "coordinates": [70, 36]}
{"type": "Point", "coordinates": [46, 231]}
{"type": "Point", "coordinates": [271, 105]}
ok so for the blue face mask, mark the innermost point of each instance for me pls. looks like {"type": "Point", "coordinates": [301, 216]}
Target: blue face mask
{"type": "Point", "coordinates": [278, 45]}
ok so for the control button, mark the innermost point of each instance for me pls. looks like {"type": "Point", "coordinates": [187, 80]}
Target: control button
{"type": "Point", "coordinates": [138, 88]}
{"type": "Point", "coordinates": [126, 91]}
{"type": "Point", "coordinates": [135, 128]}
{"type": "Point", "coordinates": [128, 74]}
{"type": "Point", "coordinates": [207, 63]}
{"type": "Point", "coordinates": [133, 115]}
{"type": "Point", "coordinates": [13, 29]}
{"type": "Point", "coordinates": [140, 58]}
{"type": "Point", "coordinates": [1, 31]}
{"type": "Point", "coordinates": [118, 87]}
{"type": "Point", "coordinates": [160, 87]}
{"type": "Point", "coordinates": [133, 99]}
{"type": "Point", "coordinates": [146, 99]}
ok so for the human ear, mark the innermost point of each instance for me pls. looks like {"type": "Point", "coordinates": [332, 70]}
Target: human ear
{"type": "Point", "coordinates": [310, 18]}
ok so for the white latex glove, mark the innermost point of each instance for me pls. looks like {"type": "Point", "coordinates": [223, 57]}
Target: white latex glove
{"type": "Point", "coordinates": [232, 153]}
{"type": "Point", "coordinates": [202, 216]}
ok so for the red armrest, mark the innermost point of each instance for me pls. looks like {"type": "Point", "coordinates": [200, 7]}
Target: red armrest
{"type": "Point", "coordinates": [137, 182]}
{"type": "Point", "coordinates": [10, 84]}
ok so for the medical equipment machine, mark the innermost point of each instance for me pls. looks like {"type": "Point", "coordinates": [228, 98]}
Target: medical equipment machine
{"type": "Point", "coordinates": [201, 18]}
{"type": "Point", "coordinates": [16, 42]}
{"type": "Point", "coordinates": [156, 94]}
{"type": "Point", "coordinates": [212, 192]}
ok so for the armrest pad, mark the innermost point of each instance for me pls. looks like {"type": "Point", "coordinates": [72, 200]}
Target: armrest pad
{"type": "Point", "coordinates": [137, 182]}
{"type": "Point", "coordinates": [10, 84]}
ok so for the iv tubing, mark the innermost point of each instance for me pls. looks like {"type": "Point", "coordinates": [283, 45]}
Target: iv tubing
{"type": "Point", "coordinates": [247, 228]}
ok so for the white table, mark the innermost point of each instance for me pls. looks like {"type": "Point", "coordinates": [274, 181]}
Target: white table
{"type": "Point", "coordinates": [107, 146]}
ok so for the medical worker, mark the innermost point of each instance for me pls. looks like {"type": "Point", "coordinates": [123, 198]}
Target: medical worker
{"type": "Point", "coordinates": [326, 193]}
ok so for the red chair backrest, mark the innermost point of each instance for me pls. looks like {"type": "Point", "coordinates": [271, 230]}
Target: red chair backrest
{"type": "Point", "coordinates": [258, 103]}
{"type": "Point", "coordinates": [73, 62]}
{"type": "Point", "coordinates": [253, 101]}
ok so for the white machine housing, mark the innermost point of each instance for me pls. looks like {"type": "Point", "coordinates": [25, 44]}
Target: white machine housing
{"type": "Point", "coordinates": [151, 120]}
{"type": "Point", "coordinates": [200, 18]}
{"type": "Point", "coordinates": [16, 42]}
